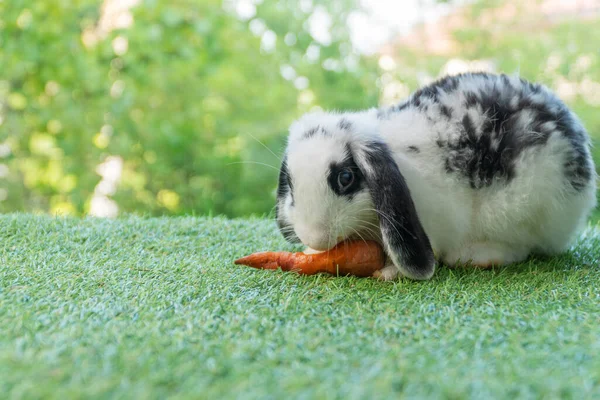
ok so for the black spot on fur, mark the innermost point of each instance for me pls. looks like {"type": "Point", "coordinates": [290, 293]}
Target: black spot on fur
{"type": "Point", "coordinates": [484, 153]}
{"type": "Point", "coordinates": [317, 130]}
{"type": "Point", "coordinates": [426, 94]}
{"type": "Point", "coordinates": [469, 128]}
{"type": "Point", "coordinates": [449, 84]}
{"type": "Point", "coordinates": [471, 99]}
{"type": "Point", "coordinates": [447, 111]}
{"type": "Point", "coordinates": [413, 149]}
{"type": "Point", "coordinates": [344, 124]}
{"type": "Point", "coordinates": [347, 165]}
{"type": "Point", "coordinates": [578, 171]}
{"type": "Point", "coordinates": [311, 132]}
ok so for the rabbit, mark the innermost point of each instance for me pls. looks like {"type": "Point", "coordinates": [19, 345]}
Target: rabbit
{"type": "Point", "coordinates": [475, 169]}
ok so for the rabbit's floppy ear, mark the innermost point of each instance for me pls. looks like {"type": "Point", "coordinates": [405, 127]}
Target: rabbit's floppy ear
{"type": "Point", "coordinates": [403, 235]}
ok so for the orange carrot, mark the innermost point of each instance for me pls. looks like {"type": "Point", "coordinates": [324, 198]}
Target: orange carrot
{"type": "Point", "coordinates": [355, 257]}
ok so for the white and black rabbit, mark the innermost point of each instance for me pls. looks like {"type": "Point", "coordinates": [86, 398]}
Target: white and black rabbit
{"type": "Point", "coordinates": [475, 168]}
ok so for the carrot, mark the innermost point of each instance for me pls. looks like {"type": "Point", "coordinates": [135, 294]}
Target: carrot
{"type": "Point", "coordinates": [356, 257]}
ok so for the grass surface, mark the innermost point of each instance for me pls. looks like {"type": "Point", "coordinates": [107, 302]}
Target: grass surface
{"type": "Point", "coordinates": [147, 308]}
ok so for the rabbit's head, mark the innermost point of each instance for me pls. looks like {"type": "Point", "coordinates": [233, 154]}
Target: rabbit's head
{"type": "Point", "coordinates": [339, 180]}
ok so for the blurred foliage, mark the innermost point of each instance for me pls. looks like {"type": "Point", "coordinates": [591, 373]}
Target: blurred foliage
{"type": "Point", "coordinates": [184, 96]}
{"type": "Point", "coordinates": [195, 98]}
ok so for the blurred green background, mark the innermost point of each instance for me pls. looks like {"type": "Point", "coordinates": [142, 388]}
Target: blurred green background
{"type": "Point", "coordinates": [176, 107]}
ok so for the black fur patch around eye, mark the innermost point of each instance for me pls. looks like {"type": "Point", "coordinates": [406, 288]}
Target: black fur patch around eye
{"type": "Point", "coordinates": [348, 164]}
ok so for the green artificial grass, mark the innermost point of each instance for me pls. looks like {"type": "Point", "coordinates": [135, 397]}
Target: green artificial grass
{"type": "Point", "coordinates": [154, 308]}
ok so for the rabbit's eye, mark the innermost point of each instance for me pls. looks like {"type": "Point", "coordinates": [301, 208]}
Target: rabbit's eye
{"type": "Point", "coordinates": [345, 178]}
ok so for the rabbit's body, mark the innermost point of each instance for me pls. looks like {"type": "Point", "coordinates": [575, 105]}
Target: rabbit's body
{"type": "Point", "coordinates": [497, 168]}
